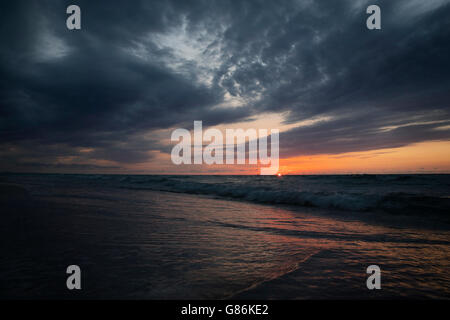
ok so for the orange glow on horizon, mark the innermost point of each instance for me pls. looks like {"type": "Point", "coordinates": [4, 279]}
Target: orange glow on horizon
{"type": "Point", "coordinates": [427, 157]}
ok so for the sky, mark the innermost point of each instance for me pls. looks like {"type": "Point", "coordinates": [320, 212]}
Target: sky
{"type": "Point", "coordinates": [105, 99]}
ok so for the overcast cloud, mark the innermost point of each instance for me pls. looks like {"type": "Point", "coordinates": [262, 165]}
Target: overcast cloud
{"type": "Point", "coordinates": [138, 66]}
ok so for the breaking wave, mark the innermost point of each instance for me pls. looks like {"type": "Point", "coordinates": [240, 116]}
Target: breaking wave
{"type": "Point", "coordinates": [277, 193]}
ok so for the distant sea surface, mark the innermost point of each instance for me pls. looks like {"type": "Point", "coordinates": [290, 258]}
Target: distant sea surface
{"type": "Point", "coordinates": [224, 237]}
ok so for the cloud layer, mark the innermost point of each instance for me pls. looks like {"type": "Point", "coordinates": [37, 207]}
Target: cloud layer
{"type": "Point", "coordinates": [97, 95]}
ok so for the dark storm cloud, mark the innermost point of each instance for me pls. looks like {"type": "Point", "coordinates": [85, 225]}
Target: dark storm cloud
{"type": "Point", "coordinates": [98, 88]}
{"type": "Point", "coordinates": [107, 85]}
{"type": "Point", "coordinates": [321, 61]}
{"type": "Point", "coordinates": [358, 133]}
{"type": "Point", "coordinates": [73, 166]}
{"type": "Point", "coordinates": [85, 89]}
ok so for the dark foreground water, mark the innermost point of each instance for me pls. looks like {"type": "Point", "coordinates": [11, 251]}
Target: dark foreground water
{"type": "Point", "coordinates": [218, 237]}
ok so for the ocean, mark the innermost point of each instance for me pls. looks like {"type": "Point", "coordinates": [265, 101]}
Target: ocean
{"type": "Point", "coordinates": [224, 237]}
